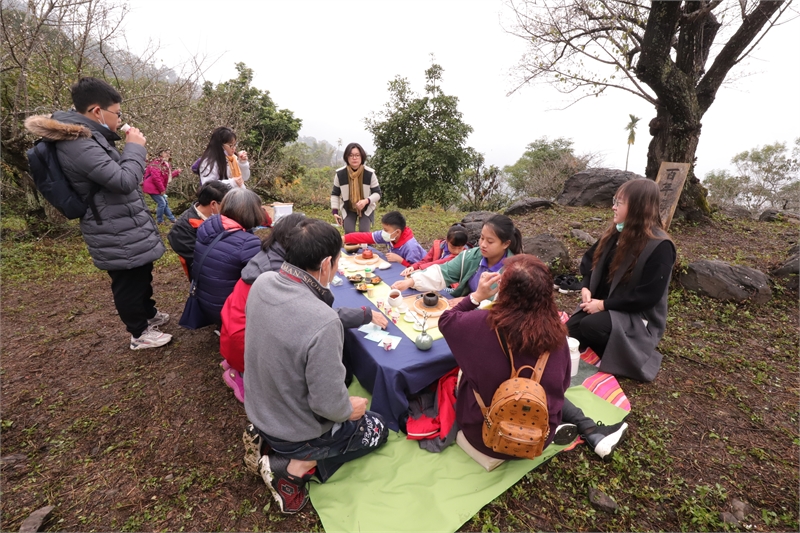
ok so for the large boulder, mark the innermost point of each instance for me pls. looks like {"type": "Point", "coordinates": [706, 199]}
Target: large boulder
{"type": "Point", "coordinates": [477, 216]}
{"type": "Point", "coordinates": [790, 270]}
{"type": "Point", "coordinates": [594, 186]}
{"type": "Point", "coordinates": [525, 205]}
{"type": "Point", "coordinates": [723, 281]}
{"type": "Point", "coordinates": [473, 222]}
{"type": "Point", "coordinates": [770, 215]}
{"type": "Point", "coordinates": [550, 250]}
{"type": "Point", "coordinates": [736, 212]}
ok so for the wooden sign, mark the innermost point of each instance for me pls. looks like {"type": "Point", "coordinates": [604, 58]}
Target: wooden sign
{"type": "Point", "coordinates": [670, 180]}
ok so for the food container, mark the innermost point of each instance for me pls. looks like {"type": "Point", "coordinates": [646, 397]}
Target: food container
{"type": "Point", "coordinates": [281, 210]}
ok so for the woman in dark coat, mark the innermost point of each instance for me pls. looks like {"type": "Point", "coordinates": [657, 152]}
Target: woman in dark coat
{"type": "Point", "coordinates": [623, 311]}
{"type": "Point", "coordinates": [240, 212]}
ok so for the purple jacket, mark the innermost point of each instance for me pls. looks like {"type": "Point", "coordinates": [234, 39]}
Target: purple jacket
{"type": "Point", "coordinates": [480, 356]}
{"type": "Point", "coordinates": [223, 265]}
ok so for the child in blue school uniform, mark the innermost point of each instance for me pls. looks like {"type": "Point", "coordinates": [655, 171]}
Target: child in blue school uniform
{"type": "Point", "coordinates": [403, 247]}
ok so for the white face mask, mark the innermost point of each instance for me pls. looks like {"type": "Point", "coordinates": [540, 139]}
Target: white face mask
{"type": "Point", "coordinates": [386, 236]}
{"type": "Point", "coordinates": [322, 276]}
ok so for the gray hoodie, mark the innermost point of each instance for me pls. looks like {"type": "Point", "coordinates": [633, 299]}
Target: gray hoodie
{"type": "Point", "coordinates": [293, 356]}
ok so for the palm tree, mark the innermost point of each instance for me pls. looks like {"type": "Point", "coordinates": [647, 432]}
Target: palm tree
{"type": "Point", "coordinates": [631, 128]}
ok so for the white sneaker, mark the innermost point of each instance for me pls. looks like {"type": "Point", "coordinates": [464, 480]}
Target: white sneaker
{"type": "Point", "coordinates": [150, 338]}
{"type": "Point", "coordinates": [159, 320]}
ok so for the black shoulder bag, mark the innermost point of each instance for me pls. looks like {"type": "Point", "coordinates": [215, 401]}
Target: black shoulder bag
{"type": "Point", "coordinates": [193, 316]}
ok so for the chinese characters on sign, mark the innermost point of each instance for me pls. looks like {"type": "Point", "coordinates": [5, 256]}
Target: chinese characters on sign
{"type": "Point", "coordinates": [670, 180]}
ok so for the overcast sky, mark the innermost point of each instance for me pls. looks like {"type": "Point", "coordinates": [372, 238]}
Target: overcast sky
{"type": "Point", "coordinates": [329, 62]}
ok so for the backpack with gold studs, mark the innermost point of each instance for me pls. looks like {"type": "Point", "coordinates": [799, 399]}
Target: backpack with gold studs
{"type": "Point", "coordinates": [517, 423]}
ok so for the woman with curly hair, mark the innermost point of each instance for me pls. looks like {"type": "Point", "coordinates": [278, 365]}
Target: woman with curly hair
{"type": "Point", "coordinates": [525, 313]}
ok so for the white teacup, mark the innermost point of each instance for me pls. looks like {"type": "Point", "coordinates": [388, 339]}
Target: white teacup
{"type": "Point", "coordinates": [395, 298]}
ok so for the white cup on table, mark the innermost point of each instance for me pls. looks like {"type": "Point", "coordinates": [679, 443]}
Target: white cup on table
{"type": "Point", "coordinates": [395, 298]}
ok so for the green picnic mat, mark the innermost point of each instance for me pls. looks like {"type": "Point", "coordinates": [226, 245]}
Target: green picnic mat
{"type": "Point", "coordinates": [401, 487]}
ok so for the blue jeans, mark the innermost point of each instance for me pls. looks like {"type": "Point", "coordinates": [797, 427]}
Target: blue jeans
{"type": "Point", "coordinates": [353, 439]}
{"type": "Point", "coordinates": [162, 208]}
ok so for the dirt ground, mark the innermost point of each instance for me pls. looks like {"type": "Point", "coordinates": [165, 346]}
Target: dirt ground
{"type": "Point", "coordinates": [150, 440]}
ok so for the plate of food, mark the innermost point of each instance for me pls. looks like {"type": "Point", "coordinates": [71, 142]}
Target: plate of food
{"type": "Point", "coordinates": [362, 287]}
{"type": "Point", "coordinates": [373, 280]}
{"type": "Point", "coordinates": [356, 278]}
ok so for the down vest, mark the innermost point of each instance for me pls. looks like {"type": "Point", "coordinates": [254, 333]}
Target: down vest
{"type": "Point", "coordinates": [223, 266]}
{"type": "Point", "coordinates": [126, 236]}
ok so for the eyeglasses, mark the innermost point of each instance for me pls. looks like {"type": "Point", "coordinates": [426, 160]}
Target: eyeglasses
{"type": "Point", "coordinates": [118, 113]}
{"type": "Point", "coordinates": [232, 145]}
{"type": "Point", "coordinates": [353, 156]}
{"type": "Point", "coordinates": [616, 201]}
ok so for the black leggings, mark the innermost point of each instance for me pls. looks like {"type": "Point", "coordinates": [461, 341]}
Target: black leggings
{"type": "Point", "coordinates": [591, 330]}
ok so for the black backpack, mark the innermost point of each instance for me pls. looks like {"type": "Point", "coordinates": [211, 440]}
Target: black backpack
{"type": "Point", "coordinates": [51, 182]}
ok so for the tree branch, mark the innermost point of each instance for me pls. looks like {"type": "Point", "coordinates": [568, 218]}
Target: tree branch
{"type": "Point", "coordinates": [731, 53]}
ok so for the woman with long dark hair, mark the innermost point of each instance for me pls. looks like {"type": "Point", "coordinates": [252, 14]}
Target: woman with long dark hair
{"type": "Point", "coordinates": [499, 241]}
{"type": "Point", "coordinates": [623, 311]}
{"type": "Point", "coordinates": [356, 191]}
{"type": "Point", "coordinates": [220, 161]}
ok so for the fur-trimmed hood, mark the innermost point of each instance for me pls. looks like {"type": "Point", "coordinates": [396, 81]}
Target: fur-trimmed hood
{"type": "Point", "coordinates": [54, 130]}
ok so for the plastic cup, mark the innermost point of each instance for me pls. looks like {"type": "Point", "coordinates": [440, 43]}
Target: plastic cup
{"type": "Point", "coordinates": [574, 354]}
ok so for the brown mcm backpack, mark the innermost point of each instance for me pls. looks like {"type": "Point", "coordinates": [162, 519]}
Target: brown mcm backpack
{"type": "Point", "coordinates": [517, 423]}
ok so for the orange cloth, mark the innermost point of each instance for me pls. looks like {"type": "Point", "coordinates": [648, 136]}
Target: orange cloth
{"type": "Point", "coordinates": [233, 162]}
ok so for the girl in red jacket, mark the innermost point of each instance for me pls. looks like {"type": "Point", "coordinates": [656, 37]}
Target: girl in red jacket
{"type": "Point", "coordinates": [157, 176]}
{"type": "Point", "coordinates": [443, 250]}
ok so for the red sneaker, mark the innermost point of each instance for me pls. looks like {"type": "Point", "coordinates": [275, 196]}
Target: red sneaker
{"type": "Point", "coordinates": [290, 492]}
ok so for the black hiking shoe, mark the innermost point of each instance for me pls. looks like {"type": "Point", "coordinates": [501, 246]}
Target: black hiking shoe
{"type": "Point", "coordinates": [570, 284]}
{"type": "Point", "coordinates": [605, 439]}
{"type": "Point", "coordinates": [565, 434]}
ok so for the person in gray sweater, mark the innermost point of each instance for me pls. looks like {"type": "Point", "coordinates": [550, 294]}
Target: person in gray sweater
{"type": "Point", "coordinates": [300, 411]}
{"type": "Point", "coordinates": [124, 240]}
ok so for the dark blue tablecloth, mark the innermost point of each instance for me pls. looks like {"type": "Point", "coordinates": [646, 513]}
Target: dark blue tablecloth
{"type": "Point", "coordinates": [390, 375]}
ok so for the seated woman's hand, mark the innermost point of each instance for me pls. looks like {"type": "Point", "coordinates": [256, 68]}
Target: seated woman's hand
{"type": "Point", "coordinates": [593, 306]}
{"type": "Point", "coordinates": [379, 319]}
{"type": "Point", "coordinates": [485, 284]}
{"type": "Point", "coordinates": [394, 258]}
{"type": "Point", "coordinates": [586, 295]}
{"type": "Point", "coordinates": [403, 284]}
{"type": "Point", "coordinates": [406, 272]}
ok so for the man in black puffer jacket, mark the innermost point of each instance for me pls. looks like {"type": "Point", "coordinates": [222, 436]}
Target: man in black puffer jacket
{"type": "Point", "coordinates": [124, 241]}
